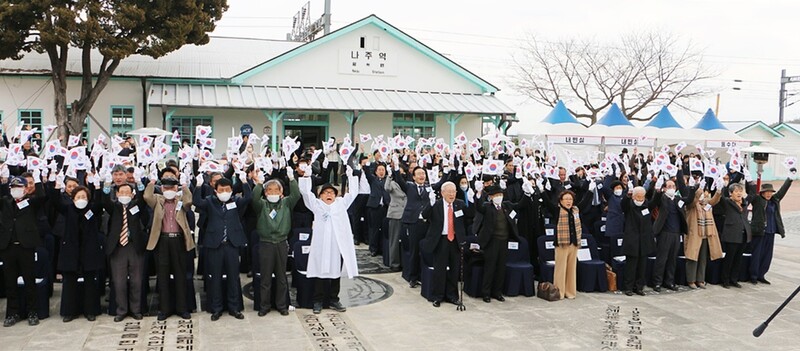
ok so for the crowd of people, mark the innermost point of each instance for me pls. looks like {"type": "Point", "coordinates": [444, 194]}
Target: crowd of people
{"type": "Point", "coordinates": [112, 207]}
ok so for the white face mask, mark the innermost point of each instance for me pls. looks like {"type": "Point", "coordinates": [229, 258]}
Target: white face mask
{"type": "Point", "coordinates": [638, 203]}
{"type": "Point", "coordinates": [618, 192]}
{"type": "Point", "coordinates": [224, 197]}
{"type": "Point", "coordinates": [670, 193]}
{"type": "Point", "coordinates": [170, 194]}
{"type": "Point", "coordinates": [273, 198]}
{"type": "Point", "coordinates": [498, 200]}
{"type": "Point", "coordinates": [17, 193]}
{"type": "Point", "coordinates": [124, 199]}
{"type": "Point", "coordinates": [464, 187]}
{"type": "Point", "coordinates": [81, 204]}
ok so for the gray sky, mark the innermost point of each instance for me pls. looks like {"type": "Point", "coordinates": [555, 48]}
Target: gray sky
{"type": "Point", "coordinates": [746, 40]}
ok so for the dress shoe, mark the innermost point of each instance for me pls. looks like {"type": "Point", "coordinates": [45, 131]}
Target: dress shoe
{"type": "Point", "coordinates": [692, 286]}
{"type": "Point", "coordinates": [237, 314]}
{"type": "Point", "coordinates": [162, 316]}
{"type": "Point", "coordinates": [10, 320]}
{"type": "Point", "coordinates": [753, 281]}
{"type": "Point", "coordinates": [437, 303]}
{"type": "Point", "coordinates": [90, 317]}
{"type": "Point", "coordinates": [763, 280]}
{"type": "Point", "coordinates": [185, 315]}
{"type": "Point", "coordinates": [657, 289]}
{"type": "Point", "coordinates": [629, 293]}
{"type": "Point", "coordinates": [726, 286]}
{"type": "Point", "coordinates": [138, 316]}
{"type": "Point", "coordinates": [736, 284]}
{"type": "Point", "coordinates": [701, 285]}
{"type": "Point", "coordinates": [639, 292]}
{"type": "Point", "coordinates": [262, 313]}
{"type": "Point", "coordinates": [413, 284]}
{"type": "Point", "coordinates": [672, 287]}
{"type": "Point", "coordinates": [68, 319]}
{"type": "Point", "coordinates": [499, 298]}
{"type": "Point", "coordinates": [317, 307]}
{"type": "Point", "coordinates": [487, 299]}
{"type": "Point", "coordinates": [337, 306]}
{"type": "Point", "coordinates": [33, 318]}
{"type": "Point", "coordinates": [396, 269]}
{"type": "Point", "coordinates": [215, 316]}
{"type": "Point", "coordinates": [119, 318]}
{"type": "Point", "coordinates": [284, 312]}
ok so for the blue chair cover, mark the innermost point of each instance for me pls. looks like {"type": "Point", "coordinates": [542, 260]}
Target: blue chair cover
{"type": "Point", "coordinates": [304, 285]}
{"type": "Point", "coordinates": [546, 258]}
{"type": "Point", "coordinates": [519, 271]}
{"type": "Point", "coordinates": [591, 274]}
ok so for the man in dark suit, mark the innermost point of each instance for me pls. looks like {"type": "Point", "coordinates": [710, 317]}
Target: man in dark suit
{"type": "Point", "coordinates": [377, 204]}
{"type": "Point", "coordinates": [736, 232]}
{"type": "Point", "coordinates": [223, 238]}
{"type": "Point", "coordinates": [446, 232]}
{"type": "Point", "coordinates": [669, 225]}
{"type": "Point", "coordinates": [638, 241]}
{"type": "Point", "coordinates": [125, 247]}
{"type": "Point", "coordinates": [19, 238]}
{"type": "Point", "coordinates": [498, 227]}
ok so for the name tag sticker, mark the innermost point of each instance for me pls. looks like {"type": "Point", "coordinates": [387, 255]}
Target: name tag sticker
{"type": "Point", "coordinates": [645, 212]}
{"type": "Point", "coordinates": [474, 246]}
{"type": "Point", "coordinates": [179, 207]}
{"type": "Point", "coordinates": [22, 204]}
{"type": "Point", "coordinates": [584, 242]}
{"type": "Point", "coordinates": [273, 214]}
{"type": "Point", "coordinates": [304, 236]}
{"type": "Point", "coordinates": [680, 204]}
{"type": "Point", "coordinates": [458, 213]}
{"type": "Point", "coordinates": [89, 214]}
{"type": "Point", "coordinates": [568, 186]}
{"type": "Point", "coordinates": [599, 186]}
{"type": "Point", "coordinates": [619, 242]}
{"type": "Point", "coordinates": [549, 231]}
{"type": "Point", "coordinates": [134, 210]}
{"type": "Point", "coordinates": [708, 207]}
{"type": "Point", "coordinates": [306, 249]}
{"type": "Point", "coordinates": [513, 214]}
{"type": "Point", "coordinates": [513, 245]}
{"type": "Point", "coordinates": [549, 245]}
{"type": "Point", "coordinates": [230, 206]}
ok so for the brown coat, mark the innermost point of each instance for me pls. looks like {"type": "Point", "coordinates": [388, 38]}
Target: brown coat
{"type": "Point", "coordinates": [156, 202]}
{"type": "Point", "coordinates": [693, 240]}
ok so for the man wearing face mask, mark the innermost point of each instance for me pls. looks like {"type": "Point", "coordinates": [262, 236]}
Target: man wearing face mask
{"type": "Point", "coordinates": [668, 227]}
{"type": "Point", "coordinates": [223, 238]}
{"type": "Point", "coordinates": [19, 238]}
{"type": "Point", "coordinates": [273, 227]}
{"type": "Point", "coordinates": [125, 247]}
{"type": "Point", "coordinates": [638, 241]}
{"type": "Point", "coordinates": [170, 238]}
{"type": "Point", "coordinates": [499, 226]}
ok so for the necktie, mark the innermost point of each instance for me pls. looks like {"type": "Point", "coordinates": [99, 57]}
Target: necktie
{"type": "Point", "coordinates": [451, 226]}
{"type": "Point", "coordinates": [123, 235]}
{"type": "Point", "coordinates": [419, 190]}
{"type": "Point", "coordinates": [466, 198]}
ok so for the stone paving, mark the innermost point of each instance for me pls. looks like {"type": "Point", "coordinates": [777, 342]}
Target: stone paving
{"type": "Point", "coordinates": [712, 319]}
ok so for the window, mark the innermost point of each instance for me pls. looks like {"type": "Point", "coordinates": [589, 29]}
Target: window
{"type": "Point", "coordinates": [32, 119]}
{"type": "Point", "coordinates": [185, 125]}
{"type": "Point", "coordinates": [121, 119]}
{"type": "Point", "coordinates": [304, 117]}
{"type": "Point", "coordinates": [416, 125]}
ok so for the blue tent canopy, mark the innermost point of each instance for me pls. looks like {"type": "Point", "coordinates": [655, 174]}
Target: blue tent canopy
{"type": "Point", "coordinates": [664, 119]}
{"type": "Point", "coordinates": [709, 122]}
{"type": "Point", "coordinates": [614, 117]}
{"type": "Point", "coordinates": [560, 115]}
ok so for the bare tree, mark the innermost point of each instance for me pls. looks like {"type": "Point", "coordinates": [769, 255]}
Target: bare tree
{"type": "Point", "coordinates": [645, 70]}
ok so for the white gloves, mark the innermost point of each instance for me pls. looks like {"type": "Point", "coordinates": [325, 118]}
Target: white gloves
{"type": "Point", "coordinates": [471, 195]}
{"type": "Point", "coordinates": [479, 186]}
{"type": "Point", "coordinates": [290, 173]}
{"type": "Point", "coordinates": [548, 186]}
{"type": "Point", "coordinates": [432, 197]}
{"type": "Point", "coordinates": [527, 187]}
{"type": "Point", "coordinates": [138, 173]}
{"type": "Point", "coordinates": [592, 186]}
{"type": "Point", "coordinates": [691, 181]}
{"type": "Point", "coordinates": [51, 178]}
{"type": "Point", "coordinates": [659, 182]}
{"type": "Point", "coordinates": [242, 176]}
{"type": "Point", "coordinates": [630, 185]}
{"type": "Point", "coordinates": [348, 171]}
{"type": "Point", "coordinates": [518, 173]}
{"type": "Point", "coordinates": [503, 184]}
{"type": "Point", "coordinates": [199, 180]}
{"type": "Point", "coordinates": [60, 181]}
{"type": "Point", "coordinates": [325, 163]}
{"type": "Point", "coordinates": [184, 179]}
{"type": "Point", "coordinates": [37, 176]}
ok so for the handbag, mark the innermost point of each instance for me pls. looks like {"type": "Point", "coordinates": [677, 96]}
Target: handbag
{"type": "Point", "coordinates": [548, 291]}
{"type": "Point", "coordinates": [612, 278]}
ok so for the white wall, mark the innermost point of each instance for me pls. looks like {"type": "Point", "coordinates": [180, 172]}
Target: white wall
{"type": "Point", "coordinates": [319, 67]}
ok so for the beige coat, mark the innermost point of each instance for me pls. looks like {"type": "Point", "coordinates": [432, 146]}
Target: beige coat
{"type": "Point", "coordinates": [693, 241]}
{"type": "Point", "coordinates": [156, 202]}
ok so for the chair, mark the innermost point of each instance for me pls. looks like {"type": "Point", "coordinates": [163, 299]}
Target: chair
{"type": "Point", "coordinates": [714, 271]}
{"type": "Point", "coordinates": [426, 276]}
{"type": "Point", "coordinates": [519, 270]}
{"type": "Point", "coordinates": [680, 265]}
{"type": "Point", "coordinates": [617, 260]}
{"type": "Point", "coordinates": [299, 234]}
{"type": "Point", "coordinates": [744, 267]}
{"type": "Point", "coordinates": [473, 269]}
{"type": "Point", "coordinates": [304, 285]}
{"type": "Point", "coordinates": [591, 271]}
{"type": "Point", "coordinates": [547, 260]}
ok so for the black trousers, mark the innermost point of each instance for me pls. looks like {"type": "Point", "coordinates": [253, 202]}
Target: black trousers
{"type": "Point", "coordinates": [333, 292]}
{"type": "Point", "coordinates": [732, 261]}
{"type": "Point", "coordinates": [666, 257]}
{"type": "Point", "coordinates": [445, 282]}
{"type": "Point", "coordinates": [272, 260]}
{"type": "Point", "coordinates": [356, 211]}
{"type": "Point", "coordinates": [333, 169]}
{"type": "Point", "coordinates": [224, 259]}
{"type": "Point", "coordinates": [19, 261]}
{"type": "Point", "coordinates": [71, 299]}
{"type": "Point", "coordinates": [635, 268]}
{"type": "Point", "coordinates": [412, 235]}
{"type": "Point", "coordinates": [126, 263]}
{"type": "Point", "coordinates": [171, 260]}
{"type": "Point", "coordinates": [495, 256]}
{"type": "Point", "coordinates": [376, 221]}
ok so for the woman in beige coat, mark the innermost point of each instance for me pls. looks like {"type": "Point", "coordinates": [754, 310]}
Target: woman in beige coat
{"type": "Point", "coordinates": [702, 240]}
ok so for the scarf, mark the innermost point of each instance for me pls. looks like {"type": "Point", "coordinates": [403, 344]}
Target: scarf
{"type": "Point", "coordinates": [568, 228]}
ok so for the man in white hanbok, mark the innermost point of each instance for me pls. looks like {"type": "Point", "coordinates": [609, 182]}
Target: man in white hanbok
{"type": "Point", "coordinates": [332, 251]}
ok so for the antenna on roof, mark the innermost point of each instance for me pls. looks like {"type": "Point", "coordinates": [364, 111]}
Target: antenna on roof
{"type": "Point", "coordinates": [302, 27]}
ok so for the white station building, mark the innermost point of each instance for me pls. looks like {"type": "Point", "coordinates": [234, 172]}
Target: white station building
{"type": "Point", "coordinates": [367, 77]}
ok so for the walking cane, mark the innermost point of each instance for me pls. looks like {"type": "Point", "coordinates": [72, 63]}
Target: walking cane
{"type": "Point", "coordinates": [461, 306]}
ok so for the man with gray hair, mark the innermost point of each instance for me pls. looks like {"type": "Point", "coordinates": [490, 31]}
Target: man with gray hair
{"type": "Point", "coordinates": [637, 239]}
{"type": "Point", "coordinates": [668, 227]}
{"type": "Point", "coordinates": [446, 232]}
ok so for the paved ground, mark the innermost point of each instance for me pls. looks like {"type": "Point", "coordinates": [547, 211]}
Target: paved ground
{"type": "Point", "coordinates": [712, 319]}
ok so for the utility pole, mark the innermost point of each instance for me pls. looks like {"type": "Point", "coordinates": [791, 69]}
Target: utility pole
{"type": "Point", "coordinates": [782, 94]}
{"type": "Point", "coordinates": [326, 18]}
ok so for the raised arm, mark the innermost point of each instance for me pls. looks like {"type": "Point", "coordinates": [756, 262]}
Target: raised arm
{"type": "Point", "coordinates": [784, 189]}
{"type": "Point", "coordinates": [149, 194]}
